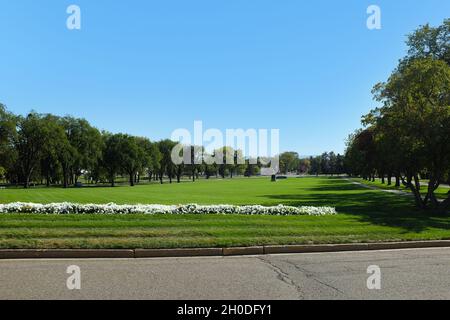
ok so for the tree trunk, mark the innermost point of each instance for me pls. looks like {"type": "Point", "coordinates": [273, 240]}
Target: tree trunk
{"type": "Point", "coordinates": [397, 181]}
{"type": "Point", "coordinates": [415, 188]}
{"type": "Point", "coordinates": [433, 184]}
{"type": "Point", "coordinates": [65, 179]}
{"type": "Point", "coordinates": [132, 179]}
{"type": "Point", "coordinates": [409, 180]}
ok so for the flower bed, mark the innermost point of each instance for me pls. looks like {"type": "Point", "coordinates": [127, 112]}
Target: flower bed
{"type": "Point", "coordinates": [112, 208]}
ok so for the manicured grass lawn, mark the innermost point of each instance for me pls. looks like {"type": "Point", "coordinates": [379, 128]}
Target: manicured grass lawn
{"type": "Point", "coordinates": [230, 191]}
{"type": "Point", "coordinates": [364, 216]}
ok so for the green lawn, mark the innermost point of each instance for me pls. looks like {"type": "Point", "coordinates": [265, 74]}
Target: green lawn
{"type": "Point", "coordinates": [364, 216]}
{"type": "Point", "coordinates": [239, 191]}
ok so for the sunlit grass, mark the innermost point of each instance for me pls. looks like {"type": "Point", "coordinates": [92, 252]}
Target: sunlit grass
{"type": "Point", "coordinates": [364, 216]}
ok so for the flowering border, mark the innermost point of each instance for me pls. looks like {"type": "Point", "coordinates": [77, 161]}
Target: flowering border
{"type": "Point", "coordinates": [154, 209]}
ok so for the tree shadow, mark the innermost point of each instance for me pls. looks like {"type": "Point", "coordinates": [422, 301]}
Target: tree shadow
{"type": "Point", "coordinates": [371, 206]}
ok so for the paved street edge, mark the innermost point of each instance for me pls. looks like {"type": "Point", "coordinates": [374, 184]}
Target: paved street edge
{"type": "Point", "coordinates": [203, 252]}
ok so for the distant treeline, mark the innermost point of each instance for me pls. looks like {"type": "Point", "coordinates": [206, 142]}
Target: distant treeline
{"type": "Point", "coordinates": [49, 150]}
{"type": "Point", "coordinates": [328, 163]}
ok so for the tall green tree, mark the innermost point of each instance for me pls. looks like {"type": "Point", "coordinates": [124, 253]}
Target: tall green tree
{"type": "Point", "coordinates": [130, 156]}
{"type": "Point", "coordinates": [56, 146]}
{"type": "Point", "coordinates": [33, 135]}
{"type": "Point", "coordinates": [8, 134]}
{"type": "Point", "coordinates": [149, 156]}
{"type": "Point", "coordinates": [86, 145]}
{"type": "Point", "coordinates": [410, 132]}
{"type": "Point", "coordinates": [166, 164]}
{"type": "Point", "coordinates": [111, 160]}
{"type": "Point", "coordinates": [289, 162]}
{"type": "Point", "coordinates": [417, 99]}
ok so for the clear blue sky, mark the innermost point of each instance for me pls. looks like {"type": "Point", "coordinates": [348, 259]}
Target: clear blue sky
{"type": "Point", "coordinates": [149, 67]}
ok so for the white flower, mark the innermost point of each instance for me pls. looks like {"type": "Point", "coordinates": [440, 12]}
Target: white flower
{"type": "Point", "coordinates": [153, 209]}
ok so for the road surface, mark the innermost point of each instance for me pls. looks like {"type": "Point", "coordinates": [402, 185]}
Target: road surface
{"type": "Point", "coordinates": [405, 274]}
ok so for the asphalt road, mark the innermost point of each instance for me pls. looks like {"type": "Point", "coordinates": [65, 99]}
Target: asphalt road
{"type": "Point", "coordinates": [405, 274]}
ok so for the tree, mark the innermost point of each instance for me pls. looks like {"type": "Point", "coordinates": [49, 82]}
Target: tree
{"type": "Point", "coordinates": [130, 156]}
{"type": "Point", "coordinates": [155, 162]}
{"type": "Point", "coordinates": [238, 166]}
{"type": "Point", "coordinates": [410, 132]}
{"type": "Point", "coordinates": [32, 137]}
{"type": "Point", "coordinates": [362, 152]}
{"type": "Point", "coordinates": [111, 161]}
{"type": "Point", "coordinates": [430, 42]}
{"type": "Point", "coordinates": [417, 98]}
{"type": "Point", "coordinates": [196, 153]}
{"type": "Point", "coordinates": [86, 142]}
{"type": "Point", "coordinates": [289, 162]}
{"type": "Point", "coordinates": [228, 164]}
{"type": "Point", "coordinates": [7, 127]}
{"type": "Point", "coordinates": [8, 134]}
{"type": "Point", "coordinates": [340, 167]}
{"type": "Point", "coordinates": [54, 150]}
{"type": "Point", "coordinates": [2, 173]}
{"type": "Point", "coordinates": [150, 156]}
{"type": "Point", "coordinates": [316, 167]}
{"type": "Point", "coordinates": [252, 167]}
{"type": "Point", "coordinates": [166, 164]}
{"type": "Point", "coordinates": [304, 166]}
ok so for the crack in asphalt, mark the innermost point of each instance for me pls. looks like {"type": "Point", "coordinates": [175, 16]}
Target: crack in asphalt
{"type": "Point", "coordinates": [311, 276]}
{"type": "Point", "coordinates": [283, 276]}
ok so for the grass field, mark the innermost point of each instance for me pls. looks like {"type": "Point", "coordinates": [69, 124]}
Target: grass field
{"type": "Point", "coordinates": [238, 191]}
{"type": "Point", "coordinates": [364, 216]}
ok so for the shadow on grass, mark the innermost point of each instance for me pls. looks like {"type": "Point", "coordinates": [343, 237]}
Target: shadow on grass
{"type": "Point", "coordinates": [372, 206]}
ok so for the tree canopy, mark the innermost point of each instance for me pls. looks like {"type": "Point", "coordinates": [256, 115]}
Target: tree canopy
{"type": "Point", "coordinates": [409, 135]}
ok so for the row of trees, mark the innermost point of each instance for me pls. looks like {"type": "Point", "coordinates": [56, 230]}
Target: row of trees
{"type": "Point", "coordinates": [328, 163]}
{"type": "Point", "coordinates": [408, 137]}
{"type": "Point", "coordinates": [46, 149]}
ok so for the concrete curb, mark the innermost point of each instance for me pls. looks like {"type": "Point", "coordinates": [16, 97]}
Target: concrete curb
{"type": "Point", "coordinates": [409, 245]}
{"type": "Point", "coordinates": [160, 253]}
{"type": "Point", "coordinates": [224, 252]}
{"type": "Point", "coordinates": [316, 248]}
{"type": "Point", "coordinates": [65, 254]}
{"type": "Point", "coordinates": [245, 251]}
